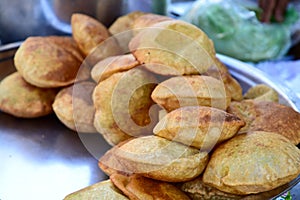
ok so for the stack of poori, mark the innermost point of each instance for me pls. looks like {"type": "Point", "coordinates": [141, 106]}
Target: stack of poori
{"type": "Point", "coordinates": [153, 87]}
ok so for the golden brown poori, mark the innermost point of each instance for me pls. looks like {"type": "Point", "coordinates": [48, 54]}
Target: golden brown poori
{"type": "Point", "coordinates": [157, 158]}
{"type": "Point", "coordinates": [198, 126]}
{"type": "Point", "coordinates": [180, 91]}
{"type": "Point", "coordinates": [122, 29]}
{"type": "Point", "coordinates": [173, 47]}
{"type": "Point", "coordinates": [48, 62]}
{"type": "Point", "coordinates": [74, 107]}
{"type": "Point", "coordinates": [262, 92]}
{"type": "Point", "coordinates": [21, 99]}
{"type": "Point", "coordinates": [198, 190]}
{"type": "Point", "coordinates": [93, 38]}
{"type": "Point", "coordinates": [268, 116]}
{"type": "Point", "coordinates": [253, 162]}
{"type": "Point", "coordinates": [146, 20]}
{"type": "Point", "coordinates": [88, 32]}
{"type": "Point", "coordinates": [220, 72]}
{"type": "Point", "coordinates": [104, 189]}
{"type": "Point", "coordinates": [141, 188]}
{"type": "Point", "coordinates": [125, 22]}
{"type": "Point", "coordinates": [123, 104]}
{"type": "Point", "coordinates": [111, 65]}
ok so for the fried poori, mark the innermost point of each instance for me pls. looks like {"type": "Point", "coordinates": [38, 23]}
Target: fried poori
{"type": "Point", "coordinates": [88, 32]}
{"type": "Point", "coordinates": [48, 62]}
{"type": "Point", "coordinates": [198, 190]}
{"type": "Point", "coordinates": [268, 116]}
{"type": "Point", "coordinates": [103, 190]}
{"type": "Point", "coordinates": [173, 47]}
{"type": "Point", "coordinates": [111, 65]}
{"type": "Point", "coordinates": [74, 107]}
{"type": "Point", "coordinates": [93, 38]}
{"type": "Point", "coordinates": [125, 22]}
{"type": "Point", "coordinates": [198, 126]}
{"type": "Point", "coordinates": [220, 72]}
{"type": "Point", "coordinates": [253, 162]}
{"type": "Point", "coordinates": [194, 90]}
{"type": "Point", "coordinates": [123, 104]}
{"type": "Point", "coordinates": [157, 158]}
{"type": "Point", "coordinates": [122, 29]}
{"type": "Point", "coordinates": [21, 99]}
{"type": "Point", "coordinates": [141, 188]}
{"type": "Point", "coordinates": [262, 92]}
{"type": "Point", "coordinates": [146, 20]}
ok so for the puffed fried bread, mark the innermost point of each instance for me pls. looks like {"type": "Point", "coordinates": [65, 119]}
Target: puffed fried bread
{"type": "Point", "coordinates": [74, 107]}
{"type": "Point", "coordinates": [141, 188]}
{"type": "Point", "coordinates": [157, 158]}
{"type": "Point", "coordinates": [49, 62]}
{"type": "Point", "coordinates": [108, 66]}
{"type": "Point", "coordinates": [21, 99]}
{"type": "Point", "coordinates": [180, 91]}
{"type": "Point", "coordinates": [123, 104]}
{"type": "Point", "coordinates": [198, 126]}
{"type": "Point", "coordinates": [173, 47]}
{"type": "Point", "coordinates": [253, 162]}
{"type": "Point", "coordinates": [268, 116]}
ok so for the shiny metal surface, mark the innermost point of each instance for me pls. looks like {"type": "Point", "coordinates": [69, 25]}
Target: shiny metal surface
{"type": "Point", "coordinates": [42, 159]}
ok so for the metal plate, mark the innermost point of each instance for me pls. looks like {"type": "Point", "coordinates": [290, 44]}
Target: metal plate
{"type": "Point", "coordinates": [42, 159]}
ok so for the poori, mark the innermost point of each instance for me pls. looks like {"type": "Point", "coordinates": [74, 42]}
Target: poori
{"type": "Point", "coordinates": [108, 66]}
{"type": "Point", "coordinates": [268, 116]}
{"type": "Point", "coordinates": [93, 38]}
{"type": "Point", "coordinates": [253, 162]}
{"type": "Point", "coordinates": [146, 20]}
{"type": "Point", "coordinates": [21, 99]}
{"type": "Point", "coordinates": [125, 22]}
{"type": "Point", "coordinates": [74, 107]}
{"type": "Point", "coordinates": [180, 91]}
{"type": "Point", "coordinates": [88, 32]}
{"type": "Point", "coordinates": [157, 158]}
{"type": "Point", "coordinates": [262, 92]}
{"type": "Point", "coordinates": [198, 126]}
{"type": "Point", "coordinates": [49, 62]}
{"type": "Point", "coordinates": [220, 72]}
{"type": "Point", "coordinates": [105, 189]}
{"type": "Point", "coordinates": [123, 104]}
{"type": "Point", "coordinates": [122, 29]}
{"type": "Point", "coordinates": [173, 47]}
{"type": "Point", "coordinates": [141, 188]}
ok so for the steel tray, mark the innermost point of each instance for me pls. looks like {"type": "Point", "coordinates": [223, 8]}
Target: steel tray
{"type": "Point", "coordinates": [42, 159]}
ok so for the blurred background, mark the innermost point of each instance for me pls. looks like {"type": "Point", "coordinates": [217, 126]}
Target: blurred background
{"type": "Point", "coordinates": [19, 20]}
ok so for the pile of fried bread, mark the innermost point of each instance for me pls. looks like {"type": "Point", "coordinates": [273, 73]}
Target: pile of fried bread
{"type": "Point", "coordinates": [179, 124]}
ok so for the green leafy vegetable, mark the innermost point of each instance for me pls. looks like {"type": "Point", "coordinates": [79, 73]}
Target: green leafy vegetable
{"type": "Point", "coordinates": [237, 32]}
